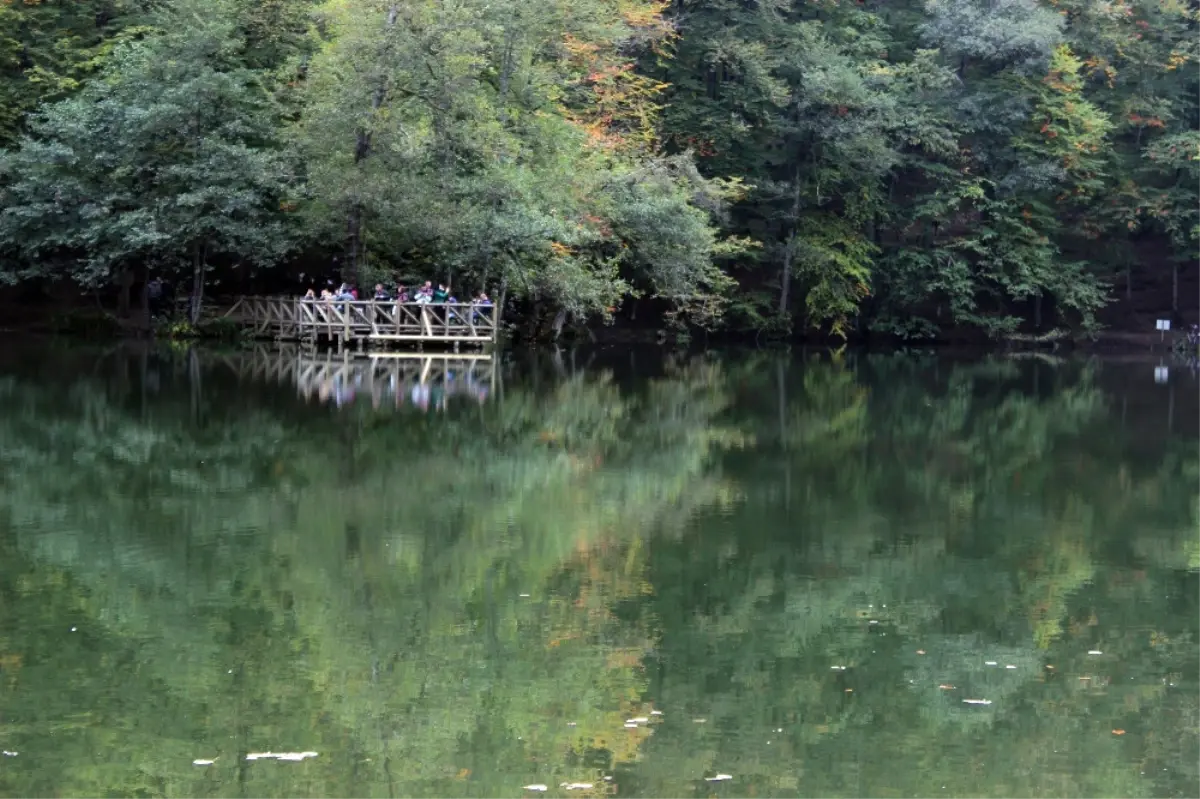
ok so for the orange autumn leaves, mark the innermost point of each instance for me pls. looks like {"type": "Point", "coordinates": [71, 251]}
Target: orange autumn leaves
{"type": "Point", "coordinates": [617, 108]}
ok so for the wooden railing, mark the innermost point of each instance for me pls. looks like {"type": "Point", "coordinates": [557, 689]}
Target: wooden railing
{"type": "Point", "coordinates": [349, 320]}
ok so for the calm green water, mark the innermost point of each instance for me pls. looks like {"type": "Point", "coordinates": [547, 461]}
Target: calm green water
{"type": "Point", "coordinates": [794, 570]}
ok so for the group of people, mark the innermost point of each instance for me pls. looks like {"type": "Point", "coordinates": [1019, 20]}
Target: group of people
{"type": "Point", "coordinates": [425, 293]}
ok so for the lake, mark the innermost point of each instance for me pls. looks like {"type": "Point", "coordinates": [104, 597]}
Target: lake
{"type": "Point", "coordinates": [616, 573]}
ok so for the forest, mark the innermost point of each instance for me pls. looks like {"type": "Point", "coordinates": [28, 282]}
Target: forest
{"type": "Point", "coordinates": [909, 169]}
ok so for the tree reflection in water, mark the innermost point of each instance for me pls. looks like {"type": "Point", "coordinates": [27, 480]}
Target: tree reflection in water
{"type": "Point", "coordinates": [795, 570]}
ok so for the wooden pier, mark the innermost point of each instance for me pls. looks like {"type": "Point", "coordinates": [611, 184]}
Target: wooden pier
{"type": "Point", "coordinates": [367, 323]}
{"type": "Point", "coordinates": [381, 378]}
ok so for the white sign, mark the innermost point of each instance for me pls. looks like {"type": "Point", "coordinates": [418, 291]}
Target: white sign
{"type": "Point", "coordinates": [1160, 374]}
{"type": "Point", "coordinates": [1163, 324]}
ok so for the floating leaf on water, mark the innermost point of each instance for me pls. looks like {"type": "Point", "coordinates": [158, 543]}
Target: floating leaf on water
{"type": "Point", "coordinates": [1010, 666]}
{"type": "Point", "coordinates": [1095, 652]}
{"type": "Point", "coordinates": [535, 787]}
{"type": "Point", "coordinates": [203, 762]}
{"type": "Point", "coordinates": [946, 687]}
{"type": "Point", "coordinates": [1118, 732]}
{"type": "Point", "coordinates": [9, 754]}
{"type": "Point", "coordinates": [719, 778]}
{"type": "Point", "coordinates": [293, 756]}
{"type": "Point", "coordinates": [990, 663]}
{"type": "Point", "coordinates": [977, 701]}
{"type": "Point", "coordinates": [920, 651]}
{"type": "Point", "coordinates": [838, 668]}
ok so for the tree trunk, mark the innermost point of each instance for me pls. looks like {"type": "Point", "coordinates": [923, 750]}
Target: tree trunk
{"type": "Point", "coordinates": [507, 66]}
{"type": "Point", "coordinates": [144, 301]}
{"type": "Point", "coordinates": [362, 149]}
{"type": "Point", "coordinates": [125, 286]}
{"type": "Point", "coordinates": [353, 243]}
{"type": "Point", "coordinates": [196, 300]}
{"type": "Point", "coordinates": [785, 279]}
{"type": "Point", "coordinates": [1174, 288]}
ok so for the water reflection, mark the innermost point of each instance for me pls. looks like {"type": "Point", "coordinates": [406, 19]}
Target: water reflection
{"type": "Point", "coordinates": [394, 380]}
{"type": "Point", "coordinates": [872, 576]}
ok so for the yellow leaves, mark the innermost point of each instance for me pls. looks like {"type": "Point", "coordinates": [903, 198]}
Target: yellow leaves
{"type": "Point", "coordinates": [560, 250]}
{"type": "Point", "coordinates": [647, 17]}
{"type": "Point", "coordinates": [577, 49]}
{"type": "Point", "coordinates": [1175, 60]}
{"type": "Point", "coordinates": [622, 109]}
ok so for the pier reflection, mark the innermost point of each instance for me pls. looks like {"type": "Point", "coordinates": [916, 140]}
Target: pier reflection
{"type": "Point", "coordinates": [384, 380]}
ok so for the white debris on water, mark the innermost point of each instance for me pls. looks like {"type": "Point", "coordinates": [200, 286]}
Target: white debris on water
{"type": "Point", "coordinates": [200, 761]}
{"type": "Point", "coordinates": [577, 786]}
{"type": "Point", "coordinates": [629, 725]}
{"type": "Point", "coordinates": [8, 753]}
{"type": "Point", "coordinates": [638, 720]}
{"type": "Point", "coordinates": [838, 668]}
{"type": "Point", "coordinates": [293, 756]}
{"type": "Point", "coordinates": [977, 701]}
{"type": "Point", "coordinates": [719, 778]}
{"type": "Point", "coordinates": [535, 787]}
{"type": "Point", "coordinates": [1010, 666]}
{"type": "Point", "coordinates": [655, 712]}
{"type": "Point", "coordinates": [1095, 652]}
{"type": "Point", "coordinates": [524, 596]}
{"type": "Point", "coordinates": [990, 663]}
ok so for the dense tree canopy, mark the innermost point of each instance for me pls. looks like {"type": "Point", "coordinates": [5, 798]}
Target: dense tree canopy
{"type": "Point", "coordinates": [853, 167]}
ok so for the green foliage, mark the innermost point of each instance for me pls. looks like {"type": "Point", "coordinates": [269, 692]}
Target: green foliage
{"type": "Point", "coordinates": [48, 50]}
{"type": "Point", "coordinates": [502, 142]}
{"type": "Point", "coordinates": [902, 167]}
{"type": "Point", "coordinates": [160, 161]}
